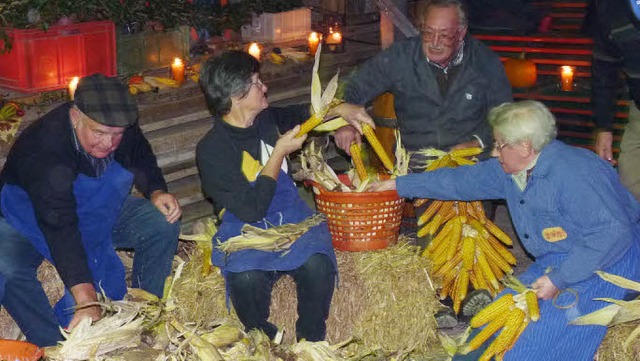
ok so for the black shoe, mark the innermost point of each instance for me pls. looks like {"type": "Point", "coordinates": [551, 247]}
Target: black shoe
{"type": "Point", "coordinates": [446, 318]}
{"type": "Point", "coordinates": [474, 302]}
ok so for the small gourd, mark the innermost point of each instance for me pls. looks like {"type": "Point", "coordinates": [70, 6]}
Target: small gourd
{"type": "Point", "coordinates": [522, 73]}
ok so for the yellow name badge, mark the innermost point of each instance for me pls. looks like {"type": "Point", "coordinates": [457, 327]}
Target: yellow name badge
{"type": "Point", "coordinates": [554, 234]}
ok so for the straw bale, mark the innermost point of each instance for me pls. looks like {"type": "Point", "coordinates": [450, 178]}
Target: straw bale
{"type": "Point", "coordinates": [611, 348]}
{"type": "Point", "coordinates": [384, 298]}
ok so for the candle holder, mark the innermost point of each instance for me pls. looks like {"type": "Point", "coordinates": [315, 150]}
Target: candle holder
{"type": "Point", "coordinates": [178, 70]}
{"type": "Point", "coordinates": [332, 33]}
{"type": "Point", "coordinates": [566, 78]}
{"type": "Point", "coordinates": [313, 41]}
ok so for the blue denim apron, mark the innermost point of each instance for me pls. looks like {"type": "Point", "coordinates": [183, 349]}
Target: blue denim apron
{"type": "Point", "coordinates": [286, 207]}
{"type": "Point", "coordinates": [99, 202]}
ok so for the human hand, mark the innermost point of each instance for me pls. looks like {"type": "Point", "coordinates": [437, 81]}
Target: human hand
{"type": "Point", "coordinates": [84, 294]}
{"type": "Point", "coordinates": [345, 136]}
{"type": "Point", "coordinates": [544, 288]}
{"type": "Point", "coordinates": [289, 142]}
{"type": "Point", "coordinates": [167, 204]}
{"type": "Point", "coordinates": [354, 115]}
{"type": "Point", "coordinates": [470, 144]}
{"type": "Point", "coordinates": [380, 186]}
{"type": "Point", "coordinates": [604, 146]}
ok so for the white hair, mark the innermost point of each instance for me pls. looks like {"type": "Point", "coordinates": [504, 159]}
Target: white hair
{"type": "Point", "coordinates": [527, 120]}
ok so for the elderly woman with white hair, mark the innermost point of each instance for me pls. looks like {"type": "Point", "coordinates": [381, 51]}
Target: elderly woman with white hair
{"type": "Point", "coordinates": [571, 214]}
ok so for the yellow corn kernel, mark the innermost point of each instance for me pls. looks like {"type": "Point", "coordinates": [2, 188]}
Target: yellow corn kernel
{"type": "Point", "coordinates": [510, 330]}
{"type": "Point", "coordinates": [486, 332]}
{"type": "Point", "coordinates": [468, 253]}
{"type": "Point", "coordinates": [480, 280]}
{"type": "Point", "coordinates": [496, 231]}
{"type": "Point", "coordinates": [356, 157]}
{"type": "Point", "coordinates": [377, 147]}
{"type": "Point", "coordinates": [429, 212]}
{"type": "Point", "coordinates": [492, 311]}
{"type": "Point", "coordinates": [532, 305]}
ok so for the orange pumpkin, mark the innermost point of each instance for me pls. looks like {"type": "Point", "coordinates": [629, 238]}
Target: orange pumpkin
{"type": "Point", "coordinates": [522, 73]}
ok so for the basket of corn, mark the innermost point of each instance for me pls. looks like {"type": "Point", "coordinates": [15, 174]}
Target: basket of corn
{"type": "Point", "coordinates": [360, 221]}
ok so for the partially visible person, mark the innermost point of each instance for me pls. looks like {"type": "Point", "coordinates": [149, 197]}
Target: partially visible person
{"type": "Point", "coordinates": [615, 26]}
{"type": "Point", "coordinates": [244, 169]}
{"type": "Point", "coordinates": [66, 198]}
{"type": "Point", "coordinates": [571, 214]}
{"type": "Point", "coordinates": [443, 83]}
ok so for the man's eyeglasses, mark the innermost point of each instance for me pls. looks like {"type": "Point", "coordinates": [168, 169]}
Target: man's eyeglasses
{"type": "Point", "coordinates": [258, 83]}
{"type": "Point", "coordinates": [447, 36]}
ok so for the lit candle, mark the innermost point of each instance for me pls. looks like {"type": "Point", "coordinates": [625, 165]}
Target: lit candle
{"type": "Point", "coordinates": [254, 50]}
{"type": "Point", "coordinates": [566, 78]}
{"type": "Point", "coordinates": [73, 84]}
{"type": "Point", "coordinates": [335, 37]}
{"type": "Point", "coordinates": [177, 70]}
{"type": "Point", "coordinates": [314, 40]}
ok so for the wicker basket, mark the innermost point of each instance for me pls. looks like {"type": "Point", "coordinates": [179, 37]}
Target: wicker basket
{"type": "Point", "coordinates": [19, 350]}
{"type": "Point", "coordinates": [361, 221]}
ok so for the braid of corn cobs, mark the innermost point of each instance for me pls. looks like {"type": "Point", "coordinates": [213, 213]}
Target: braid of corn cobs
{"type": "Point", "coordinates": [466, 248]}
{"type": "Point", "coordinates": [510, 313]}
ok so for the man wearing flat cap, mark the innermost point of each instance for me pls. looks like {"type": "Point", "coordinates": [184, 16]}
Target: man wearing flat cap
{"type": "Point", "coordinates": [65, 197]}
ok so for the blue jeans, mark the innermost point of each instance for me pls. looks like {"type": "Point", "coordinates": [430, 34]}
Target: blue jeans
{"type": "Point", "coordinates": [140, 227]}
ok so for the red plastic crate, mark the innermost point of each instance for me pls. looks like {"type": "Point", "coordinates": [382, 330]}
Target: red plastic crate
{"type": "Point", "coordinates": [46, 60]}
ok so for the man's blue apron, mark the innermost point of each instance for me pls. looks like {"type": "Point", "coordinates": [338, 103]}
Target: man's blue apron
{"type": "Point", "coordinates": [286, 207]}
{"type": "Point", "coordinates": [99, 202]}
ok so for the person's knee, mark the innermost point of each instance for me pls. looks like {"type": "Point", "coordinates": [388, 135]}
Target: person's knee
{"type": "Point", "coordinates": [248, 280]}
{"type": "Point", "coordinates": [319, 265]}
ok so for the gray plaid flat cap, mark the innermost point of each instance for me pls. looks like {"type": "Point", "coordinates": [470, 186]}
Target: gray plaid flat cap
{"type": "Point", "coordinates": [106, 100]}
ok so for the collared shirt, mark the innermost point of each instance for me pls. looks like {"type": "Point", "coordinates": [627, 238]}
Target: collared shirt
{"type": "Point", "coordinates": [457, 60]}
{"type": "Point", "coordinates": [98, 164]}
{"type": "Point", "coordinates": [522, 177]}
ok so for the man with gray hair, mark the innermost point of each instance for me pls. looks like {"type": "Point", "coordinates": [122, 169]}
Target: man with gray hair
{"type": "Point", "coordinates": [443, 83]}
{"type": "Point", "coordinates": [65, 195]}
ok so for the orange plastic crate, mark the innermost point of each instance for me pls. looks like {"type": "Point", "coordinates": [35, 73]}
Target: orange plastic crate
{"type": "Point", "coordinates": [47, 60]}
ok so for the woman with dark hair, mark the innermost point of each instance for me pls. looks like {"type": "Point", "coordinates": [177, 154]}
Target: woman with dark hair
{"type": "Point", "coordinates": [243, 167]}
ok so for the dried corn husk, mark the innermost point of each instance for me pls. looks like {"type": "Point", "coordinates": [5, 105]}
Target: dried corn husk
{"type": "Point", "coordinates": [275, 239]}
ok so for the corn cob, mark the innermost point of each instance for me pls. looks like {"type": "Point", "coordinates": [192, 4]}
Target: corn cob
{"type": "Point", "coordinates": [356, 157]}
{"type": "Point", "coordinates": [493, 256]}
{"type": "Point", "coordinates": [377, 147]}
{"type": "Point", "coordinates": [420, 201]}
{"type": "Point", "coordinates": [479, 227]}
{"type": "Point", "coordinates": [462, 161]}
{"type": "Point", "coordinates": [500, 248]}
{"type": "Point", "coordinates": [429, 212]}
{"type": "Point", "coordinates": [498, 233]}
{"type": "Point", "coordinates": [468, 253]}
{"type": "Point", "coordinates": [486, 332]}
{"type": "Point", "coordinates": [310, 123]}
{"type": "Point", "coordinates": [494, 310]}
{"type": "Point", "coordinates": [487, 272]}
{"type": "Point", "coordinates": [482, 282]}
{"type": "Point", "coordinates": [466, 152]}
{"type": "Point", "coordinates": [532, 305]}
{"type": "Point", "coordinates": [478, 210]}
{"type": "Point", "coordinates": [462, 285]}
{"type": "Point", "coordinates": [451, 263]}
{"type": "Point", "coordinates": [510, 330]}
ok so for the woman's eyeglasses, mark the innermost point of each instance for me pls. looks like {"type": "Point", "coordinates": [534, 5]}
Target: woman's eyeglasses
{"type": "Point", "coordinates": [498, 147]}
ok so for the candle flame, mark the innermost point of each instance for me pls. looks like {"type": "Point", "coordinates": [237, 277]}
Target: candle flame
{"type": "Point", "coordinates": [314, 36]}
{"type": "Point", "coordinates": [254, 50]}
{"type": "Point", "coordinates": [177, 62]}
{"type": "Point", "coordinates": [566, 69]}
